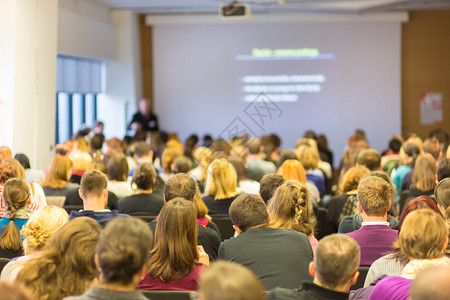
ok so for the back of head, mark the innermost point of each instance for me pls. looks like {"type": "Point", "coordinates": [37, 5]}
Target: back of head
{"type": "Point", "coordinates": [253, 145]}
{"type": "Point", "coordinates": [168, 156]}
{"type": "Point", "coordinates": [442, 196]}
{"type": "Point", "coordinates": [412, 151]}
{"type": "Point", "coordinates": [292, 169]}
{"type": "Point", "coordinates": [81, 161]}
{"type": "Point", "coordinates": [268, 185]}
{"type": "Point", "coordinates": [20, 171]}
{"type": "Point", "coordinates": [5, 152]}
{"type": "Point", "coordinates": [220, 145]}
{"type": "Point", "coordinates": [117, 166]}
{"type": "Point", "coordinates": [42, 224]}
{"type": "Point", "coordinates": [221, 180]}
{"type": "Point", "coordinates": [352, 177]}
{"type": "Point", "coordinates": [58, 174]}
{"type": "Point", "coordinates": [144, 176]}
{"type": "Point", "coordinates": [69, 254]}
{"type": "Point", "coordinates": [443, 170]}
{"type": "Point", "coordinates": [93, 183]}
{"type": "Point", "coordinates": [229, 281]}
{"type": "Point", "coordinates": [423, 235]}
{"type": "Point", "coordinates": [182, 164]}
{"type": "Point", "coordinates": [374, 195]}
{"type": "Point", "coordinates": [395, 143]}
{"type": "Point", "coordinates": [114, 144]}
{"type": "Point", "coordinates": [180, 185]}
{"type": "Point", "coordinates": [336, 260]}
{"type": "Point", "coordinates": [16, 193]}
{"type": "Point", "coordinates": [308, 156]}
{"type": "Point", "coordinates": [420, 202]}
{"type": "Point", "coordinates": [247, 211]}
{"type": "Point", "coordinates": [431, 283]}
{"type": "Point", "coordinates": [424, 174]}
{"type": "Point", "coordinates": [6, 172]}
{"type": "Point", "coordinates": [239, 165]}
{"type": "Point", "coordinates": [122, 256]}
{"type": "Point", "coordinates": [23, 159]}
{"type": "Point", "coordinates": [432, 146]}
{"type": "Point", "coordinates": [96, 142]}
{"type": "Point", "coordinates": [175, 250]}
{"type": "Point", "coordinates": [285, 155]}
{"type": "Point", "coordinates": [141, 149]}
{"type": "Point", "coordinates": [369, 158]}
{"type": "Point", "coordinates": [291, 208]}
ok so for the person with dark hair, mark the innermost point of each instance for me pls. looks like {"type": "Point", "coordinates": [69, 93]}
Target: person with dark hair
{"type": "Point", "coordinates": [244, 184]}
{"type": "Point", "coordinates": [189, 146]}
{"type": "Point", "coordinates": [144, 119]}
{"type": "Point", "coordinates": [176, 260]}
{"type": "Point", "coordinates": [94, 192]}
{"type": "Point", "coordinates": [335, 270]}
{"type": "Point", "coordinates": [432, 146]}
{"type": "Point", "coordinates": [182, 164]}
{"type": "Point", "coordinates": [257, 167]}
{"type": "Point", "coordinates": [369, 158]}
{"type": "Point", "coordinates": [23, 159]}
{"type": "Point", "coordinates": [443, 169]}
{"type": "Point", "coordinates": [117, 166]}
{"type": "Point", "coordinates": [96, 142]}
{"type": "Point", "coordinates": [32, 175]}
{"type": "Point", "coordinates": [143, 201]}
{"type": "Point", "coordinates": [409, 153]}
{"type": "Point", "coordinates": [278, 257]}
{"type": "Point", "coordinates": [142, 154]}
{"type": "Point", "coordinates": [120, 271]}
{"type": "Point", "coordinates": [268, 185]}
{"type": "Point", "coordinates": [391, 157]}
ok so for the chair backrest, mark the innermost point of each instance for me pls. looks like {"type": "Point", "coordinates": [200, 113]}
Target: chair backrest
{"type": "Point", "coordinates": [225, 227]}
{"type": "Point", "coordinates": [361, 278]}
{"type": "Point", "coordinates": [70, 208]}
{"type": "Point", "coordinates": [167, 295]}
{"type": "Point", "coordinates": [3, 262]}
{"type": "Point", "coordinates": [403, 196]}
{"type": "Point", "coordinates": [56, 200]}
{"type": "Point", "coordinates": [323, 227]}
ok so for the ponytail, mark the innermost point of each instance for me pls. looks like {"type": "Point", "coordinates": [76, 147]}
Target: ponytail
{"type": "Point", "coordinates": [305, 220]}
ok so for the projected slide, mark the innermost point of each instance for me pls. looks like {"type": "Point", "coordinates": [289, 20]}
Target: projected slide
{"type": "Point", "coordinates": [302, 71]}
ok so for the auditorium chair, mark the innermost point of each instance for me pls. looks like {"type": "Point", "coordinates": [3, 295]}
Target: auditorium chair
{"type": "Point", "coordinates": [403, 196]}
{"type": "Point", "coordinates": [361, 278]}
{"type": "Point", "coordinates": [225, 226]}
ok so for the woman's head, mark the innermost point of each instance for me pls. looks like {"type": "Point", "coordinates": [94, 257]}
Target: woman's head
{"type": "Point", "coordinates": [221, 180]}
{"type": "Point", "coordinates": [442, 196]}
{"type": "Point", "coordinates": [6, 172]}
{"type": "Point", "coordinates": [144, 176]}
{"type": "Point", "coordinates": [175, 251]}
{"type": "Point", "coordinates": [23, 159]}
{"type": "Point", "coordinates": [291, 208]}
{"type": "Point", "coordinates": [117, 166]}
{"type": "Point", "coordinates": [168, 156]}
{"type": "Point", "coordinates": [292, 169]}
{"type": "Point", "coordinates": [423, 235]}
{"type": "Point", "coordinates": [121, 257]}
{"type": "Point", "coordinates": [20, 171]}
{"type": "Point", "coordinates": [308, 156]}
{"type": "Point", "coordinates": [351, 178]}
{"type": "Point", "coordinates": [239, 165]}
{"type": "Point", "coordinates": [424, 174]}
{"type": "Point", "coordinates": [66, 265]}
{"type": "Point", "coordinates": [5, 152]}
{"type": "Point", "coordinates": [420, 202]}
{"type": "Point", "coordinates": [59, 172]}
{"type": "Point", "coordinates": [42, 224]}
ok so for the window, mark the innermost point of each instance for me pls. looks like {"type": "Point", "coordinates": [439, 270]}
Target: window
{"type": "Point", "coordinates": [78, 84]}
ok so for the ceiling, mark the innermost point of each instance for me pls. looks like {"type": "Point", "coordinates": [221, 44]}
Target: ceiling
{"type": "Point", "coordinates": [350, 7]}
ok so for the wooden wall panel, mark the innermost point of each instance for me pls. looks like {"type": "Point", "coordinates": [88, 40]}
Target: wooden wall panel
{"type": "Point", "coordinates": [146, 58]}
{"type": "Point", "coordinates": [425, 67]}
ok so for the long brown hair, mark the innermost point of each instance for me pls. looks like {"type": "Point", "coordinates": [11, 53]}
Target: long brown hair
{"type": "Point", "coordinates": [175, 251]}
{"type": "Point", "coordinates": [16, 192]}
{"type": "Point", "coordinates": [66, 265]}
{"type": "Point", "coordinates": [57, 175]}
{"type": "Point", "coordinates": [291, 208]}
{"type": "Point", "coordinates": [424, 174]}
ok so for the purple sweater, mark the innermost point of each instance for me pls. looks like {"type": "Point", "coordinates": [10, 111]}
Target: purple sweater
{"type": "Point", "coordinates": [374, 241]}
{"type": "Point", "coordinates": [391, 287]}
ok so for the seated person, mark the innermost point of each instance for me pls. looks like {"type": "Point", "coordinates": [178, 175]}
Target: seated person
{"type": "Point", "coordinates": [268, 185]}
{"type": "Point", "coordinates": [431, 283]}
{"type": "Point", "coordinates": [335, 270]}
{"type": "Point", "coordinates": [94, 192]}
{"type": "Point", "coordinates": [56, 181]}
{"type": "Point", "coordinates": [144, 201]}
{"type": "Point", "coordinates": [278, 257]}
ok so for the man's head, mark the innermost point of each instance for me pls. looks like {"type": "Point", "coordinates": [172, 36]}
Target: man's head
{"type": "Point", "coordinates": [145, 106]}
{"type": "Point", "coordinates": [268, 185]}
{"type": "Point", "coordinates": [94, 184]}
{"type": "Point", "coordinates": [336, 262]}
{"type": "Point", "coordinates": [254, 146]}
{"type": "Point", "coordinates": [247, 211]}
{"type": "Point", "coordinates": [374, 195]}
{"type": "Point", "coordinates": [431, 283]}
{"type": "Point", "coordinates": [443, 170]}
{"type": "Point", "coordinates": [369, 158]}
{"type": "Point", "coordinates": [180, 185]}
{"type": "Point", "coordinates": [142, 150]}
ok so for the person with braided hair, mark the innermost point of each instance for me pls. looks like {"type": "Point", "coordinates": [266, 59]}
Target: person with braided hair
{"type": "Point", "coordinates": [291, 208]}
{"type": "Point", "coordinates": [16, 194]}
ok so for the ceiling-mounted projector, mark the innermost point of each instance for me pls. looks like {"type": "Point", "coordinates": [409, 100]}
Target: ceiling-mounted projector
{"type": "Point", "coordinates": [235, 10]}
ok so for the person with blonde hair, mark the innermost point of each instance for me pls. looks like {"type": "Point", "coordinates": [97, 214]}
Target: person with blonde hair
{"type": "Point", "coordinates": [423, 238]}
{"type": "Point", "coordinates": [423, 177]}
{"type": "Point", "coordinates": [56, 181]}
{"type": "Point", "coordinates": [309, 158]}
{"type": "Point", "coordinates": [201, 157]}
{"type": "Point", "coordinates": [175, 261]}
{"type": "Point", "coordinates": [168, 156]}
{"type": "Point", "coordinates": [81, 161]}
{"type": "Point", "coordinates": [291, 208]}
{"type": "Point", "coordinates": [5, 152]}
{"type": "Point", "coordinates": [16, 194]}
{"type": "Point", "coordinates": [292, 169]}
{"type": "Point", "coordinates": [38, 229]}
{"type": "Point", "coordinates": [66, 266]}
{"type": "Point", "coordinates": [221, 187]}
{"type": "Point", "coordinates": [228, 281]}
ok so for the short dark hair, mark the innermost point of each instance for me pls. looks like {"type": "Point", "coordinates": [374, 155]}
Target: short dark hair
{"type": "Point", "coordinates": [23, 159]}
{"type": "Point", "coordinates": [144, 176]}
{"type": "Point", "coordinates": [181, 164]}
{"type": "Point", "coordinates": [117, 166]}
{"type": "Point", "coordinates": [97, 141]}
{"type": "Point", "coordinates": [180, 185]}
{"type": "Point", "coordinates": [247, 211]}
{"type": "Point", "coordinates": [369, 158]}
{"type": "Point", "coordinates": [93, 182]}
{"type": "Point", "coordinates": [268, 185]}
{"type": "Point", "coordinates": [134, 240]}
{"type": "Point", "coordinates": [443, 170]}
{"type": "Point", "coordinates": [395, 144]}
{"type": "Point", "coordinates": [141, 149]}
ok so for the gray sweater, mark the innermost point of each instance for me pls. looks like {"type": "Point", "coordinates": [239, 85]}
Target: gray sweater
{"type": "Point", "coordinates": [384, 265]}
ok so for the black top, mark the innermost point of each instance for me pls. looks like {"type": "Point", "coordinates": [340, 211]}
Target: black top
{"type": "Point", "coordinates": [148, 123]}
{"type": "Point", "coordinates": [143, 204]}
{"type": "Point", "coordinates": [334, 210]}
{"type": "Point", "coordinates": [278, 257]}
{"type": "Point", "coordinates": [308, 290]}
{"type": "Point", "coordinates": [9, 253]}
{"type": "Point", "coordinates": [102, 217]}
{"type": "Point", "coordinates": [207, 237]}
{"type": "Point", "coordinates": [218, 207]}
{"type": "Point", "coordinates": [73, 198]}
{"type": "Point", "coordinates": [407, 181]}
